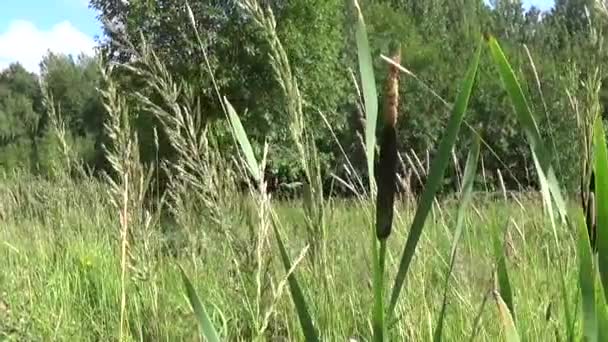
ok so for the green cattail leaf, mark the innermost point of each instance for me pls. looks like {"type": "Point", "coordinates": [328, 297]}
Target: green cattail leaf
{"type": "Point", "coordinates": [504, 283]}
{"type": "Point", "coordinates": [470, 171]}
{"type": "Point", "coordinates": [601, 191]}
{"type": "Point", "coordinates": [243, 141]}
{"type": "Point", "coordinates": [586, 280]}
{"type": "Point", "coordinates": [506, 319]}
{"type": "Point", "coordinates": [308, 328]}
{"type": "Point", "coordinates": [602, 315]}
{"type": "Point", "coordinates": [550, 189]}
{"type": "Point", "coordinates": [370, 98]}
{"type": "Point", "coordinates": [435, 177]}
{"type": "Point", "coordinates": [526, 119]}
{"type": "Point", "coordinates": [202, 317]}
{"type": "Point", "coordinates": [370, 93]}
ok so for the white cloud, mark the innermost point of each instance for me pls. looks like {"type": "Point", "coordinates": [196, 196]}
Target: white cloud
{"type": "Point", "coordinates": [23, 42]}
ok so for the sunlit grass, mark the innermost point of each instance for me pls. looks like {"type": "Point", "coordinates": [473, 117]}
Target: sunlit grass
{"type": "Point", "coordinates": [48, 288]}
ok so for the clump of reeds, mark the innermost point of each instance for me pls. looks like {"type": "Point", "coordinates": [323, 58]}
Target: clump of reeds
{"type": "Point", "coordinates": [129, 183]}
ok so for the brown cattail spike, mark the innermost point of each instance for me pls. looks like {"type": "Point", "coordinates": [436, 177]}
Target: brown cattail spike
{"type": "Point", "coordinates": [387, 163]}
{"type": "Point", "coordinates": [387, 182]}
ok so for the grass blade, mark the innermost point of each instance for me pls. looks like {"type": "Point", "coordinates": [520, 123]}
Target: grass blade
{"type": "Point", "coordinates": [465, 198]}
{"type": "Point", "coordinates": [370, 98]}
{"type": "Point", "coordinates": [526, 119]}
{"type": "Point", "coordinates": [241, 137]}
{"type": "Point", "coordinates": [435, 178]}
{"type": "Point", "coordinates": [310, 333]}
{"type": "Point", "coordinates": [504, 283]}
{"type": "Point", "coordinates": [506, 319]}
{"type": "Point", "coordinates": [550, 188]}
{"type": "Point", "coordinates": [520, 104]}
{"type": "Point", "coordinates": [586, 280]}
{"type": "Point", "coordinates": [370, 93]}
{"type": "Point", "coordinates": [296, 292]}
{"type": "Point", "coordinates": [202, 317]}
{"type": "Point", "coordinates": [601, 190]}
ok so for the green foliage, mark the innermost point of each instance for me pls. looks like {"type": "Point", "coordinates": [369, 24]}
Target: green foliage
{"type": "Point", "coordinates": [20, 101]}
{"type": "Point", "coordinates": [17, 155]}
{"type": "Point", "coordinates": [311, 31]}
{"type": "Point", "coordinates": [72, 84]}
{"type": "Point", "coordinates": [436, 38]}
{"type": "Point", "coordinates": [27, 133]}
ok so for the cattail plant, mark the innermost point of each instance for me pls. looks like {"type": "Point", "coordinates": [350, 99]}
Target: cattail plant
{"type": "Point", "coordinates": [389, 159]}
{"type": "Point", "coordinates": [387, 183]}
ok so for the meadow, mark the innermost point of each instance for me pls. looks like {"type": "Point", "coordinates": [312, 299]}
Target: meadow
{"type": "Point", "coordinates": [60, 272]}
{"type": "Point", "coordinates": [214, 255]}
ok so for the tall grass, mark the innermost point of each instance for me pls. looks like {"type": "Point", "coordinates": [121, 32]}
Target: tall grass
{"type": "Point", "coordinates": [128, 189]}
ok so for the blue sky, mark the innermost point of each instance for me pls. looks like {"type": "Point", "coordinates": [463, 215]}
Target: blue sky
{"type": "Point", "coordinates": [542, 4]}
{"type": "Point", "coordinates": [29, 28]}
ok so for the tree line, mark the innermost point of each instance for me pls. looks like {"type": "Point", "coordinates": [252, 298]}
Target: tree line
{"type": "Point", "coordinates": [556, 54]}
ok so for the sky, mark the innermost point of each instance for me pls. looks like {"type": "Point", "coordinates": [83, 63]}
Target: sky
{"type": "Point", "coordinates": [30, 28]}
{"type": "Point", "coordinates": [542, 4]}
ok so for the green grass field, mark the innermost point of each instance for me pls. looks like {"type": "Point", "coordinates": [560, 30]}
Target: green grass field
{"type": "Point", "coordinates": [60, 271]}
{"type": "Point", "coordinates": [85, 259]}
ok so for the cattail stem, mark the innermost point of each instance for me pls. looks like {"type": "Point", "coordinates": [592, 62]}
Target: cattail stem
{"type": "Point", "coordinates": [379, 325]}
